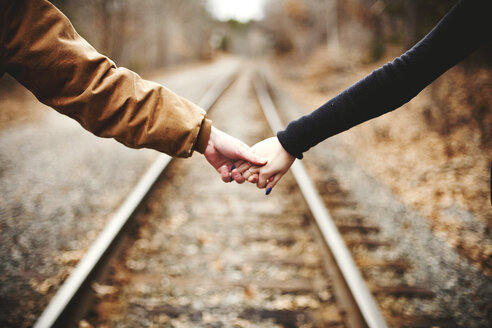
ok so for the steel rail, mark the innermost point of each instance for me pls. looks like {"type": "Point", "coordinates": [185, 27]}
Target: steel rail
{"type": "Point", "coordinates": [351, 274]}
{"type": "Point", "coordinates": [62, 306]}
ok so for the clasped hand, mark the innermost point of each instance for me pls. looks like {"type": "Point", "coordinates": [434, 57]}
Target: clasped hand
{"type": "Point", "coordinates": [264, 164]}
{"type": "Point", "coordinates": [266, 176]}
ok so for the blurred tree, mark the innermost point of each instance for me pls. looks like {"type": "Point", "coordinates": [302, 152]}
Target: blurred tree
{"type": "Point", "coordinates": [143, 34]}
{"type": "Point", "coordinates": [370, 30]}
{"type": "Point", "coordinates": [367, 27]}
{"type": "Point", "coordinates": [298, 26]}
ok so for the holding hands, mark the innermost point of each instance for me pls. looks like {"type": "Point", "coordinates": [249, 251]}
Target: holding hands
{"type": "Point", "coordinates": [264, 163]}
{"type": "Point", "coordinates": [223, 151]}
{"type": "Point", "coordinates": [265, 176]}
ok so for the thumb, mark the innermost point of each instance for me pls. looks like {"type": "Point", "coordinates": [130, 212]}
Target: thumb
{"type": "Point", "coordinates": [249, 156]}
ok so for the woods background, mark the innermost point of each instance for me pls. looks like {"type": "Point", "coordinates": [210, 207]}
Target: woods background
{"type": "Point", "coordinates": [313, 38]}
{"type": "Point", "coordinates": [151, 34]}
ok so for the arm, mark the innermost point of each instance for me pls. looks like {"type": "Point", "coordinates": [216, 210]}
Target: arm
{"type": "Point", "coordinates": [464, 29]}
{"type": "Point", "coordinates": [41, 49]}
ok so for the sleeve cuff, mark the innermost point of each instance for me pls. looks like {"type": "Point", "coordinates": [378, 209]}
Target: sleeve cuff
{"type": "Point", "coordinates": [203, 136]}
{"type": "Point", "coordinates": [283, 139]}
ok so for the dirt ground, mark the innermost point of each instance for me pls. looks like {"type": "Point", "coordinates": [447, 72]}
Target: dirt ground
{"type": "Point", "coordinates": [435, 152]}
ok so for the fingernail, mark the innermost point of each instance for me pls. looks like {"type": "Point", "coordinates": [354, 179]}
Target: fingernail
{"type": "Point", "coordinates": [232, 168]}
{"type": "Point", "coordinates": [268, 191]}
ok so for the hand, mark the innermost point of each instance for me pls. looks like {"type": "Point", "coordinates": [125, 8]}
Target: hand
{"type": "Point", "coordinates": [267, 176]}
{"type": "Point", "coordinates": [223, 151]}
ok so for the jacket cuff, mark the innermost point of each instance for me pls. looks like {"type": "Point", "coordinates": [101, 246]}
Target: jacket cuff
{"type": "Point", "coordinates": [203, 136]}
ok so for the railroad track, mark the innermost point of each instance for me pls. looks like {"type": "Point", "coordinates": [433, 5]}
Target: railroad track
{"type": "Point", "coordinates": [384, 274]}
{"type": "Point", "coordinates": [188, 252]}
{"type": "Point", "coordinates": [73, 297]}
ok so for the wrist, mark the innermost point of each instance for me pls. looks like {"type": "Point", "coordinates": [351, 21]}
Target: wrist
{"type": "Point", "coordinates": [283, 150]}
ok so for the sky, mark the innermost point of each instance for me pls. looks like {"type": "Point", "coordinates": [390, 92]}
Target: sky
{"type": "Point", "coordinates": [241, 10]}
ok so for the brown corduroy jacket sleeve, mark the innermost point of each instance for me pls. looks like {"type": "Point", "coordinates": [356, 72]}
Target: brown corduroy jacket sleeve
{"type": "Point", "coordinates": [41, 49]}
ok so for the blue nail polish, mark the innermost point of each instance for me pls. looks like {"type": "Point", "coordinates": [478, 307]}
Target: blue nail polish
{"type": "Point", "coordinates": [268, 191]}
{"type": "Point", "coordinates": [232, 168]}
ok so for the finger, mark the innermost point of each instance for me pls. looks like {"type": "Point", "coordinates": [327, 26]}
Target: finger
{"type": "Point", "coordinates": [273, 181]}
{"type": "Point", "coordinates": [262, 181]}
{"type": "Point", "coordinates": [241, 168]}
{"type": "Point", "coordinates": [230, 172]}
{"type": "Point", "coordinates": [238, 177]}
{"type": "Point", "coordinates": [253, 170]}
{"type": "Point", "coordinates": [238, 169]}
{"type": "Point", "coordinates": [224, 172]}
{"type": "Point", "coordinates": [253, 178]}
{"type": "Point", "coordinates": [247, 174]}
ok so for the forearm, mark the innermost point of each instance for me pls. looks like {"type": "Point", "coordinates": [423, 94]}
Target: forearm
{"type": "Point", "coordinates": [464, 29]}
{"type": "Point", "coordinates": [43, 52]}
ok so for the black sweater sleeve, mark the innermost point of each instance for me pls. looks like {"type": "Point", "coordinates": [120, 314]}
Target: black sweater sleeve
{"type": "Point", "coordinates": [464, 29]}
